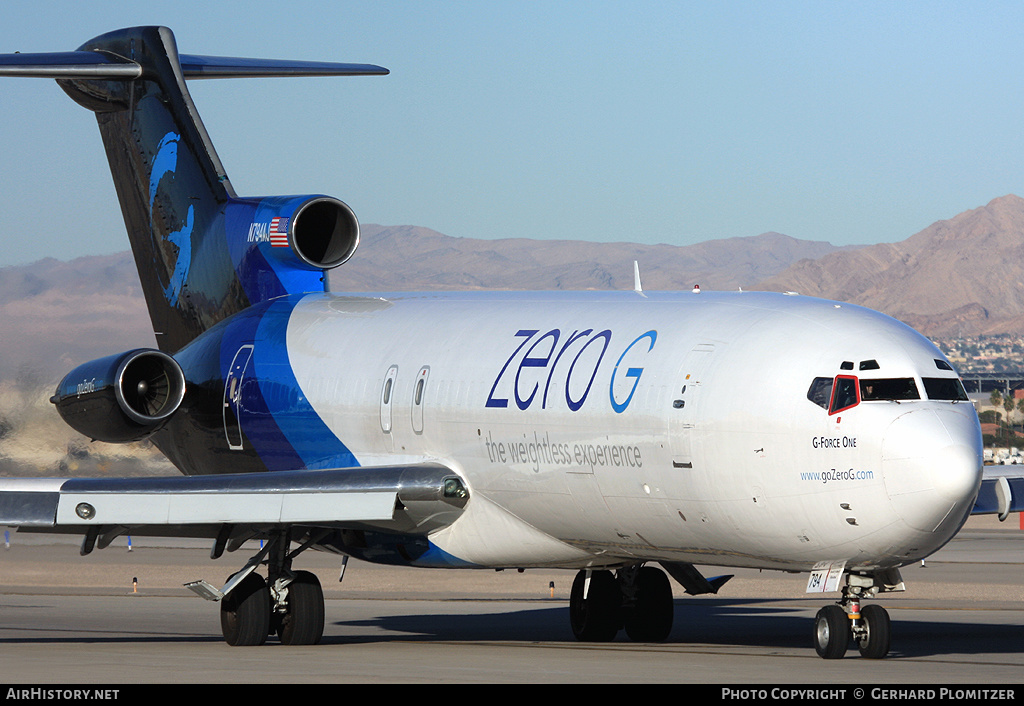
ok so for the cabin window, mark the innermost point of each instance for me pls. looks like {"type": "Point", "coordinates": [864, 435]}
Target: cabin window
{"type": "Point", "coordinates": [945, 389]}
{"type": "Point", "coordinates": [889, 389]}
{"type": "Point", "coordinates": [419, 391]}
{"type": "Point", "coordinates": [386, 396]}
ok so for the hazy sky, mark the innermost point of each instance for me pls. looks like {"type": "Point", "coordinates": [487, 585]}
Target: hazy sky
{"type": "Point", "coordinates": [672, 122]}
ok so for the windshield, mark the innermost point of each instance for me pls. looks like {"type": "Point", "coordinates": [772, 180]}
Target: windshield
{"type": "Point", "coordinates": [889, 389]}
{"type": "Point", "coordinates": [844, 394]}
{"type": "Point", "coordinates": [945, 389]}
{"type": "Point", "coordinates": [846, 391]}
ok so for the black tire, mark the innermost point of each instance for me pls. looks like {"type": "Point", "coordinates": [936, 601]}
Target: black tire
{"type": "Point", "coordinates": [245, 613]}
{"type": "Point", "coordinates": [831, 632]}
{"type": "Point", "coordinates": [598, 618]}
{"type": "Point", "coordinates": [650, 619]}
{"type": "Point", "coordinates": [875, 643]}
{"type": "Point", "coordinates": [303, 622]}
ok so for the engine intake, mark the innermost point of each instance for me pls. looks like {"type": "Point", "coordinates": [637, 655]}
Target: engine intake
{"type": "Point", "coordinates": [123, 397]}
{"type": "Point", "coordinates": [324, 232]}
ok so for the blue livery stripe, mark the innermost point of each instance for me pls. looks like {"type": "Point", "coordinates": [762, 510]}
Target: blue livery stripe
{"type": "Point", "coordinates": [276, 418]}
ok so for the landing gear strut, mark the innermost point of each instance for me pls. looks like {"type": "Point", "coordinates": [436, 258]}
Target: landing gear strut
{"type": "Point", "coordinates": [288, 603]}
{"type": "Point", "coordinates": [835, 624]}
{"type": "Point", "coordinates": [638, 598]}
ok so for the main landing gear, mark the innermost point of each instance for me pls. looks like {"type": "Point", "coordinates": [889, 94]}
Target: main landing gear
{"type": "Point", "coordinates": [637, 598]}
{"type": "Point", "coordinates": [292, 607]}
{"type": "Point", "coordinates": [289, 604]}
{"type": "Point", "coordinates": [869, 627]}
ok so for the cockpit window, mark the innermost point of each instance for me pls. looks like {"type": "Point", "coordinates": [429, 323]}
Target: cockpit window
{"type": "Point", "coordinates": [820, 392]}
{"type": "Point", "coordinates": [889, 389]}
{"type": "Point", "coordinates": [945, 389]}
{"type": "Point", "coordinates": [844, 394]}
{"type": "Point", "coordinates": [846, 391]}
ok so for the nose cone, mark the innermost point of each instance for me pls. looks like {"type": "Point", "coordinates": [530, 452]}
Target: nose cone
{"type": "Point", "coordinates": [932, 463]}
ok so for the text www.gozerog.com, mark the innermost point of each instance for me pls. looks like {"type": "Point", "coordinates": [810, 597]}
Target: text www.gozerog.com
{"type": "Point", "coordinates": [833, 475]}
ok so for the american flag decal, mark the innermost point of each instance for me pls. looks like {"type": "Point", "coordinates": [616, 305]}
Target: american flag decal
{"type": "Point", "coordinates": [279, 232]}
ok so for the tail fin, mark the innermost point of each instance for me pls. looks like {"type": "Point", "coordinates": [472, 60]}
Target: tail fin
{"type": "Point", "coordinates": [202, 253]}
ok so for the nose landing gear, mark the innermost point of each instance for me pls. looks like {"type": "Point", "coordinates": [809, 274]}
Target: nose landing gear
{"type": "Point", "coordinates": [870, 628]}
{"type": "Point", "coordinates": [873, 637]}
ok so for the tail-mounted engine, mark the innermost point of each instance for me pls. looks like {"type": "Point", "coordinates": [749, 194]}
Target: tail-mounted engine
{"type": "Point", "coordinates": [283, 244]}
{"type": "Point", "coordinates": [123, 397]}
{"type": "Point", "coordinates": [317, 232]}
{"type": "Point", "coordinates": [324, 233]}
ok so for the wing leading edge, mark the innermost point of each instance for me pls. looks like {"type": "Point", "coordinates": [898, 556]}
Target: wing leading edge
{"type": "Point", "coordinates": [412, 499]}
{"type": "Point", "coordinates": [1001, 493]}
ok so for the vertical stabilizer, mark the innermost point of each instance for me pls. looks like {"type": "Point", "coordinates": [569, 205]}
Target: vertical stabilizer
{"type": "Point", "coordinates": [202, 254]}
{"type": "Point", "coordinates": [170, 183]}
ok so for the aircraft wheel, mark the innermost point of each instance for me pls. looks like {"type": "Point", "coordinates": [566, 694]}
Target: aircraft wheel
{"type": "Point", "coordinates": [650, 620]}
{"type": "Point", "coordinates": [596, 618]}
{"type": "Point", "coordinates": [245, 613]}
{"type": "Point", "coordinates": [831, 632]}
{"type": "Point", "coordinates": [875, 643]}
{"type": "Point", "coordinates": [303, 622]}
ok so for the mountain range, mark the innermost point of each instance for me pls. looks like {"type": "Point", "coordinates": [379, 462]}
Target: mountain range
{"type": "Point", "coordinates": [958, 277]}
{"type": "Point", "coordinates": [962, 276]}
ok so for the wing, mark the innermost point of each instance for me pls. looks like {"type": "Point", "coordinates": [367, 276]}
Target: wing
{"type": "Point", "coordinates": [1002, 492]}
{"type": "Point", "coordinates": [411, 499]}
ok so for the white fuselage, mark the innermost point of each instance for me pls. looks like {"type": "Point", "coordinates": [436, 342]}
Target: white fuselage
{"type": "Point", "coordinates": [610, 428]}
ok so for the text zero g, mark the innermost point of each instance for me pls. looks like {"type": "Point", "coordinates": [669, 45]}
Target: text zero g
{"type": "Point", "coordinates": [554, 366]}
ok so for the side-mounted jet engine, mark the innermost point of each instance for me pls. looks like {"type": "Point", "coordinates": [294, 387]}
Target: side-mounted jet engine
{"type": "Point", "coordinates": [121, 398]}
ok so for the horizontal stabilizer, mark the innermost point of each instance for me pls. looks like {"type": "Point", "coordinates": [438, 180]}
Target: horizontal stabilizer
{"type": "Point", "coordinates": [100, 65]}
{"type": "Point", "coordinates": [193, 66]}
{"type": "Point", "coordinates": [70, 65]}
{"type": "Point", "coordinates": [412, 498]}
{"type": "Point", "coordinates": [203, 253]}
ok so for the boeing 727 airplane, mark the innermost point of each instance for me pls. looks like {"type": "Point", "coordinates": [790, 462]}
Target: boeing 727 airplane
{"type": "Point", "coordinates": [607, 432]}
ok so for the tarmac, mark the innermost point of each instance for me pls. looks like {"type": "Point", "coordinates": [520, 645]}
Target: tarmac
{"type": "Point", "coordinates": [124, 617]}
